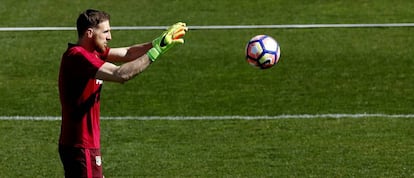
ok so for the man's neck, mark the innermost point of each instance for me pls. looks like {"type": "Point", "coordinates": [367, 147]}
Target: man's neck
{"type": "Point", "coordinates": [86, 44]}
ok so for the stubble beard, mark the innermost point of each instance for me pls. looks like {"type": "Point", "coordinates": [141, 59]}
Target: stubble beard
{"type": "Point", "coordinates": [100, 47]}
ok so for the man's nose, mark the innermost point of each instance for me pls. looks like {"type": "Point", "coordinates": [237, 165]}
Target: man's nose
{"type": "Point", "coordinates": [109, 37]}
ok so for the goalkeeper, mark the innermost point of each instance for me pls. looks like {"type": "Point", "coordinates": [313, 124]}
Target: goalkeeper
{"type": "Point", "coordinates": [84, 66]}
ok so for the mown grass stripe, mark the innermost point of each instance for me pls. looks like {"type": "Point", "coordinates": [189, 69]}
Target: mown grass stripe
{"type": "Point", "coordinates": [219, 27]}
{"type": "Point", "coordinates": [293, 116]}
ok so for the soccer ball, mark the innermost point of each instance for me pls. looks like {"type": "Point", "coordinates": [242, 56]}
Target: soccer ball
{"type": "Point", "coordinates": [262, 51]}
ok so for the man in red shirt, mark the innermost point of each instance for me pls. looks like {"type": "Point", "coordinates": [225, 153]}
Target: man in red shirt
{"type": "Point", "coordinates": [84, 67]}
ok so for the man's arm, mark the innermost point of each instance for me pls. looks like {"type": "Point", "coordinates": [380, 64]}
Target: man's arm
{"type": "Point", "coordinates": [139, 57]}
{"type": "Point", "coordinates": [123, 73]}
{"type": "Point", "coordinates": [126, 54]}
{"type": "Point", "coordinates": [135, 61]}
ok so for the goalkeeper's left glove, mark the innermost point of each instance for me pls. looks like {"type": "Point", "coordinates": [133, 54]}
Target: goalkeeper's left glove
{"type": "Point", "coordinates": [173, 35]}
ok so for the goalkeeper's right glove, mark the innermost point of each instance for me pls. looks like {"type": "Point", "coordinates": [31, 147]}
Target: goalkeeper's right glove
{"type": "Point", "coordinates": [166, 40]}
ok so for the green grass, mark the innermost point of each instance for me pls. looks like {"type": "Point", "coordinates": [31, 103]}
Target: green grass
{"type": "Point", "coordinates": [212, 12]}
{"type": "Point", "coordinates": [376, 147]}
{"type": "Point", "coordinates": [329, 70]}
{"type": "Point", "coordinates": [321, 71]}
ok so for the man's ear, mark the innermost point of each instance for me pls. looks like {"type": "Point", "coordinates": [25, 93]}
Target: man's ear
{"type": "Point", "coordinates": [89, 32]}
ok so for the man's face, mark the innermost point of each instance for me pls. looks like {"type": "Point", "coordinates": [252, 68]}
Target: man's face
{"type": "Point", "coordinates": [101, 36]}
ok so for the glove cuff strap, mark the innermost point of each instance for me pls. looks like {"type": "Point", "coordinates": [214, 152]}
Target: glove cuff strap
{"type": "Point", "coordinates": [153, 54]}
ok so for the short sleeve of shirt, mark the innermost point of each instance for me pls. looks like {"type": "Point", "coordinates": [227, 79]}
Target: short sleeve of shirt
{"type": "Point", "coordinates": [86, 63]}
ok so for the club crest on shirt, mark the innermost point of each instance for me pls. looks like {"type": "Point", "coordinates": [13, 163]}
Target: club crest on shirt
{"type": "Point", "coordinates": [98, 82]}
{"type": "Point", "coordinates": [98, 160]}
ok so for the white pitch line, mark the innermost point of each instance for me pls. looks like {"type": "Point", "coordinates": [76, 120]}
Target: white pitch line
{"type": "Point", "coordinates": [294, 116]}
{"type": "Point", "coordinates": [220, 27]}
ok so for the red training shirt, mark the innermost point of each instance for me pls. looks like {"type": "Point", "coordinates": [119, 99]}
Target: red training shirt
{"type": "Point", "coordinates": [79, 93]}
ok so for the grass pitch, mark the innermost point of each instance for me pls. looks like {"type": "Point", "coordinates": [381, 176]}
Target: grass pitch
{"type": "Point", "coordinates": [355, 70]}
{"type": "Point", "coordinates": [349, 147]}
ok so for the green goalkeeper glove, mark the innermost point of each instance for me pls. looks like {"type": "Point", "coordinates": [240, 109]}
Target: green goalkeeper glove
{"type": "Point", "coordinates": [166, 40]}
